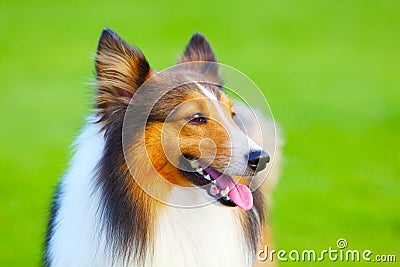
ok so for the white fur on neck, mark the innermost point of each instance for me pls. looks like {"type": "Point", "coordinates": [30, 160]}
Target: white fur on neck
{"type": "Point", "coordinates": [74, 241]}
{"type": "Point", "coordinates": [202, 236]}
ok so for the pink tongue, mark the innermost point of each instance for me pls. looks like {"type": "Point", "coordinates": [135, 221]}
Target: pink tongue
{"type": "Point", "coordinates": [238, 193]}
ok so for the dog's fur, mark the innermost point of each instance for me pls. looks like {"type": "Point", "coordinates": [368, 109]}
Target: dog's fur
{"type": "Point", "coordinates": [101, 216]}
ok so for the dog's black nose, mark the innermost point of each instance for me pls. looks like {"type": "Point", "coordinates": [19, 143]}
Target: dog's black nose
{"type": "Point", "coordinates": [257, 160]}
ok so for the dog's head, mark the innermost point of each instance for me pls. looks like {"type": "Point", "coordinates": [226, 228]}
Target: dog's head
{"type": "Point", "coordinates": [190, 132]}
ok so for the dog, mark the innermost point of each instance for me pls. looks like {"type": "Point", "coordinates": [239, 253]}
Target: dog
{"type": "Point", "coordinates": [161, 170]}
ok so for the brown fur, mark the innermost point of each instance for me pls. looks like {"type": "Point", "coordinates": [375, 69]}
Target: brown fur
{"type": "Point", "coordinates": [120, 70]}
{"type": "Point", "coordinates": [128, 211]}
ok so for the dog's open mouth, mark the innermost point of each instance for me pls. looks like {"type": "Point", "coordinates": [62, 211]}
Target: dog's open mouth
{"type": "Point", "coordinates": [218, 185]}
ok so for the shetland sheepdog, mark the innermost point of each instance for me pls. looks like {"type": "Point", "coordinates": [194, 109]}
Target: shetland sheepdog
{"type": "Point", "coordinates": [173, 191]}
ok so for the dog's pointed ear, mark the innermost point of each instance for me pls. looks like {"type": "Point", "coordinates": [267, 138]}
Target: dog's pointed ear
{"type": "Point", "coordinates": [120, 70]}
{"type": "Point", "coordinates": [198, 49]}
{"type": "Point", "coordinates": [200, 58]}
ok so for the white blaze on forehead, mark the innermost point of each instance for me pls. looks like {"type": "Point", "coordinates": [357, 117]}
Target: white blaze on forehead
{"type": "Point", "coordinates": [241, 143]}
{"type": "Point", "coordinates": [215, 101]}
{"type": "Point", "coordinates": [206, 92]}
{"type": "Point", "coordinates": [217, 105]}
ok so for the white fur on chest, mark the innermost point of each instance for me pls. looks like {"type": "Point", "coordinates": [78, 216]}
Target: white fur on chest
{"type": "Point", "coordinates": [75, 240]}
{"type": "Point", "coordinates": [203, 236]}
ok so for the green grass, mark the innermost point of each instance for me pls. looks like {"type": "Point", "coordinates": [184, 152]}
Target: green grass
{"type": "Point", "coordinates": [330, 71]}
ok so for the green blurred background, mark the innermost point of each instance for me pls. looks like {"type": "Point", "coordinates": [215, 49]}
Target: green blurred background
{"type": "Point", "coordinates": [329, 69]}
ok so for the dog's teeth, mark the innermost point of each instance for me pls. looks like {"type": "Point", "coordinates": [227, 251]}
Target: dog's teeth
{"type": "Point", "coordinates": [200, 170]}
{"type": "Point", "coordinates": [214, 190]}
{"type": "Point", "coordinates": [214, 182]}
{"type": "Point", "coordinates": [194, 163]}
{"type": "Point", "coordinates": [227, 198]}
{"type": "Point", "coordinates": [207, 177]}
{"type": "Point", "coordinates": [225, 192]}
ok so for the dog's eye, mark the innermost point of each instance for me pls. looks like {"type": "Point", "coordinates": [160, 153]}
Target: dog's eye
{"type": "Point", "coordinates": [197, 119]}
{"type": "Point", "coordinates": [233, 114]}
